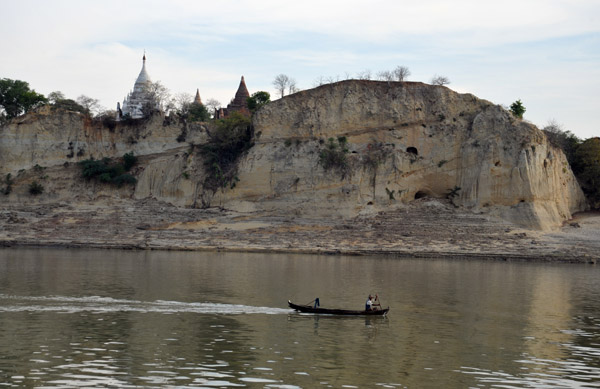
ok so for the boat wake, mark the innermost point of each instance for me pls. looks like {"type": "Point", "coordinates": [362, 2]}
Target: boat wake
{"type": "Point", "coordinates": [97, 304]}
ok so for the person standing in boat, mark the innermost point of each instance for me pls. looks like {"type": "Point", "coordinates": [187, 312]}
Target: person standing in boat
{"type": "Point", "coordinates": [370, 304]}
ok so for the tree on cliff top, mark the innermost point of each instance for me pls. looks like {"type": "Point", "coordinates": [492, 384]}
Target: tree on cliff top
{"type": "Point", "coordinates": [16, 98]}
{"type": "Point", "coordinates": [398, 74]}
{"type": "Point", "coordinates": [91, 105]}
{"type": "Point", "coordinates": [565, 140]}
{"type": "Point", "coordinates": [283, 82]}
{"type": "Point", "coordinates": [401, 73]}
{"type": "Point", "coordinates": [257, 100]}
{"type": "Point", "coordinates": [440, 80]}
{"type": "Point", "coordinates": [518, 109]}
{"type": "Point", "coordinates": [158, 99]}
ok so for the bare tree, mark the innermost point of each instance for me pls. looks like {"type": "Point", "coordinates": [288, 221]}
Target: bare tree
{"type": "Point", "coordinates": [401, 73]}
{"type": "Point", "coordinates": [182, 100]}
{"type": "Point", "coordinates": [554, 127]}
{"type": "Point", "coordinates": [55, 96]}
{"type": "Point", "coordinates": [319, 81]}
{"type": "Point", "coordinates": [159, 98]}
{"type": "Point", "coordinates": [212, 105]}
{"type": "Point", "coordinates": [292, 88]}
{"type": "Point", "coordinates": [91, 105]}
{"type": "Point", "coordinates": [440, 80]}
{"type": "Point", "coordinates": [364, 75]}
{"type": "Point", "coordinates": [281, 83]}
{"type": "Point", "coordinates": [332, 79]}
{"type": "Point", "coordinates": [385, 75]}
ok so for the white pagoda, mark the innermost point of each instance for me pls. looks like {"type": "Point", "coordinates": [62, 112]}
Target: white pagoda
{"type": "Point", "coordinates": [138, 97]}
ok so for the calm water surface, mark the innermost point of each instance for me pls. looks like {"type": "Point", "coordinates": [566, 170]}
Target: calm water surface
{"type": "Point", "coordinates": [123, 319]}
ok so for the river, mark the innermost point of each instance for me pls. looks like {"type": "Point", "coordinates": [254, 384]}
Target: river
{"type": "Point", "coordinates": [72, 318]}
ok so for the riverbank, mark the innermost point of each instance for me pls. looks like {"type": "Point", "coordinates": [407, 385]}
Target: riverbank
{"type": "Point", "coordinates": [426, 228]}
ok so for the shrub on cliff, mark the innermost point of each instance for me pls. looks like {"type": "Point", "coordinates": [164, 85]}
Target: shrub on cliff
{"type": "Point", "coordinates": [334, 155]}
{"type": "Point", "coordinates": [69, 105]}
{"type": "Point", "coordinates": [9, 182]}
{"type": "Point", "coordinates": [228, 139]}
{"type": "Point", "coordinates": [35, 188]}
{"type": "Point", "coordinates": [129, 161]}
{"type": "Point", "coordinates": [105, 170]}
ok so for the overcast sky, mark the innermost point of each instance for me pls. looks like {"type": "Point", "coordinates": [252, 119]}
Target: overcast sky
{"type": "Point", "coordinates": [544, 52]}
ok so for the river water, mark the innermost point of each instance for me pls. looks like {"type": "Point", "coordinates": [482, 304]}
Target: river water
{"type": "Point", "coordinates": [113, 318]}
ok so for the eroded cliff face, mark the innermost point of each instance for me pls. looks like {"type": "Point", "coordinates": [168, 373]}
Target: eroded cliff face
{"type": "Point", "coordinates": [49, 138]}
{"type": "Point", "coordinates": [405, 140]}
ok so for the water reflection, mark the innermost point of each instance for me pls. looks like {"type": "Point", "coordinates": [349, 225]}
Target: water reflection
{"type": "Point", "coordinates": [113, 318]}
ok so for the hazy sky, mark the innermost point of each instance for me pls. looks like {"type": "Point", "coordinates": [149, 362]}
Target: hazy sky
{"type": "Point", "coordinates": [544, 52]}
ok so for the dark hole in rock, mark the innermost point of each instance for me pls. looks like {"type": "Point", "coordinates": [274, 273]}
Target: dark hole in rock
{"type": "Point", "coordinates": [420, 195]}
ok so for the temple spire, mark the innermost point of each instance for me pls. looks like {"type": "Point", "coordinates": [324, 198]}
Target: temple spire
{"type": "Point", "coordinates": [143, 78]}
{"type": "Point", "coordinates": [241, 95]}
{"type": "Point", "coordinates": [197, 99]}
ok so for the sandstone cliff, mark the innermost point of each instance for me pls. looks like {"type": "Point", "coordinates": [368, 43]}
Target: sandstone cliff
{"type": "Point", "coordinates": [49, 138]}
{"type": "Point", "coordinates": [427, 139]}
{"type": "Point", "coordinates": [405, 140]}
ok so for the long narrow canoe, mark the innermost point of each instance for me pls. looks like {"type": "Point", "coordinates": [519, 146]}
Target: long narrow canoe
{"type": "Point", "coordinates": [327, 311]}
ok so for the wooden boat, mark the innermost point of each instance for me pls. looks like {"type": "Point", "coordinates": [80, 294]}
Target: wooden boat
{"type": "Point", "coordinates": [328, 311]}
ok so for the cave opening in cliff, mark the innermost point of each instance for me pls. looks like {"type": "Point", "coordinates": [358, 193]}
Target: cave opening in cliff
{"type": "Point", "coordinates": [421, 194]}
{"type": "Point", "coordinates": [412, 150]}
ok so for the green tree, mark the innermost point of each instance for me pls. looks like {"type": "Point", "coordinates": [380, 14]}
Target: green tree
{"type": "Point", "coordinates": [517, 109]}
{"type": "Point", "coordinates": [16, 98]}
{"type": "Point", "coordinates": [586, 167]}
{"type": "Point", "coordinates": [258, 99]}
{"type": "Point", "coordinates": [196, 112]}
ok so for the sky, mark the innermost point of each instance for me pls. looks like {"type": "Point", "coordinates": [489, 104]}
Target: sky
{"type": "Point", "coordinates": [544, 52]}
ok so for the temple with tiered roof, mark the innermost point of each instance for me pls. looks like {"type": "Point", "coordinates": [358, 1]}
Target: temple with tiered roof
{"type": "Point", "coordinates": [238, 104]}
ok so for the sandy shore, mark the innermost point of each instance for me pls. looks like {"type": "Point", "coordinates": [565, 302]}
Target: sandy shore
{"type": "Point", "coordinates": [428, 228]}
